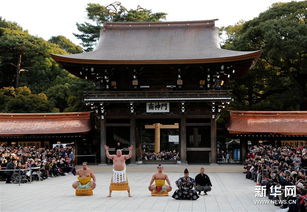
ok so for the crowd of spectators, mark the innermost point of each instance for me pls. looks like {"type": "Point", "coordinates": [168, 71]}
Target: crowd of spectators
{"type": "Point", "coordinates": [274, 169]}
{"type": "Point", "coordinates": [44, 162]}
{"type": "Point", "coordinates": [164, 155]}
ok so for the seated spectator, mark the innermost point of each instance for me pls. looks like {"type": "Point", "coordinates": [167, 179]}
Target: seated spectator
{"type": "Point", "coordinates": [164, 155]}
{"type": "Point", "coordinates": [44, 162]}
{"type": "Point", "coordinates": [279, 166]}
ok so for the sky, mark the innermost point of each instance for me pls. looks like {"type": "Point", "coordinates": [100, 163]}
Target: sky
{"type": "Point", "coordinates": [46, 18]}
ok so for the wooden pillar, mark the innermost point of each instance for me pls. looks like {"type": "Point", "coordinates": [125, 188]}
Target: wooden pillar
{"type": "Point", "coordinates": [132, 139]}
{"type": "Point", "coordinates": [158, 127]}
{"type": "Point", "coordinates": [183, 140]}
{"type": "Point", "coordinates": [243, 149]}
{"type": "Point", "coordinates": [213, 141]}
{"type": "Point", "coordinates": [157, 137]}
{"type": "Point", "coordinates": [103, 140]}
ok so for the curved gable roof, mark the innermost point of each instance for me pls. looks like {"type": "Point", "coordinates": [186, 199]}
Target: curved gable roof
{"type": "Point", "coordinates": [158, 43]}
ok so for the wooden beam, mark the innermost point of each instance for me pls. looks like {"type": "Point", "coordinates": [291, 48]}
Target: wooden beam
{"type": "Point", "coordinates": [213, 141]}
{"type": "Point", "coordinates": [118, 124]}
{"type": "Point", "coordinates": [197, 124]}
{"type": "Point", "coordinates": [243, 147]}
{"type": "Point", "coordinates": [163, 126]}
{"type": "Point", "coordinates": [132, 139]}
{"type": "Point", "coordinates": [155, 116]}
{"type": "Point", "coordinates": [103, 140]}
{"type": "Point", "coordinates": [157, 137]}
{"type": "Point", "coordinates": [183, 140]}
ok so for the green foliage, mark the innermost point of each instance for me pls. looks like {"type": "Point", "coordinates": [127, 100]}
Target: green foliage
{"type": "Point", "coordinates": [278, 81]}
{"type": "Point", "coordinates": [115, 12]}
{"type": "Point", "coordinates": [51, 88]}
{"type": "Point", "coordinates": [21, 52]}
{"type": "Point", "coordinates": [230, 32]}
{"type": "Point", "coordinates": [9, 24]}
{"type": "Point", "coordinates": [65, 44]}
{"type": "Point", "coordinates": [22, 100]}
{"type": "Point", "coordinates": [66, 95]}
{"type": "Point", "coordinates": [75, 99]}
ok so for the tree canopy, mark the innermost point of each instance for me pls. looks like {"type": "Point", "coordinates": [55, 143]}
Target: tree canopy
{"type": "Point", "coordinates": [21, 99]}
{"type": "Point", "coordinates": [115, 12]}
{"type": "Point", "coordinates": [279, 79]}
{"type": "Point", "coordinates": [28, 72]}
{"type": "Point", "coordinates": [65, 44]}
{"type": "Point", "coordinates": [20, 52]}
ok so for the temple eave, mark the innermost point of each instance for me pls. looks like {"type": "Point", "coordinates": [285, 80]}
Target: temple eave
{"type": "Point", "coordinates": [68, 59]}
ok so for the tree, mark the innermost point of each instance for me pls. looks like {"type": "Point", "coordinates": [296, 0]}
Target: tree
{"type": "Point", "coordinates": [20, 52]}
{"type": "Point", "coordinates": [22, 100]}
{"type": "Point", "coordinates": [278, 81]}
{"type": "Point", "coordinates": [29, 57]}
{"type": "Point", "coordinates": [114, 12]}
{"type": "Point", "coordinates": [9, 24]}
{"type": "Point", "coordinates": [65, 44]}
{"type": "Point", "coordinates": [230, 33]}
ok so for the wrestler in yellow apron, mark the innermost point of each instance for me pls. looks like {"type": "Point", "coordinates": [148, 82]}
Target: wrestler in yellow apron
{"type": "Point", "coordinates": [84, 188]}
{"type": "Point", "coordinates": [84, 182]}
{"type": "Point", "coordinates": [160, 186]}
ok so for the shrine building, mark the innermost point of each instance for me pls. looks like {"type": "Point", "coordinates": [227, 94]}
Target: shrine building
{"type": "Point", "coordinates": [159, 86]}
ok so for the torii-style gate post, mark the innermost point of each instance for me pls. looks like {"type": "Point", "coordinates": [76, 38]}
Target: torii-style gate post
{"type": "Point", "coordinates": [158, 127]}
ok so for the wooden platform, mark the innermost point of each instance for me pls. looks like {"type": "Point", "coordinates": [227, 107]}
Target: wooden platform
{"type": "Point", "coordinates": [159, 193]}
{"type": "Point", "coordinates": [84, 192]}
{"type": "Point", "coordinates": [119, 186]}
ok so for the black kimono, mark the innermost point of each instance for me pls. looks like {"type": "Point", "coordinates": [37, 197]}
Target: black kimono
{"type": "Point", "coordinates": [185, 189]}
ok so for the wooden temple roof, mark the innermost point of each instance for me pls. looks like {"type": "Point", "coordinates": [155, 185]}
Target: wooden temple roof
{"type": "Point", "coordinates": [44, 123]}
{"type": "Point", "coordinates": [188, 42]}
{"type": "Point", "coordinates": [268, 122]}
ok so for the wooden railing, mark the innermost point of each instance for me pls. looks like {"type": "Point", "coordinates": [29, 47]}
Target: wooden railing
{"type": "Point", "coordinates": [193, 94]}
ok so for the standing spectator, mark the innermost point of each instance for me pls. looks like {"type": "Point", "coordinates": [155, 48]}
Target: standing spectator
{"type": "Point", "coordinates": [11, 165]}
{"type": "Point", "coordinates": [72, 157]}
